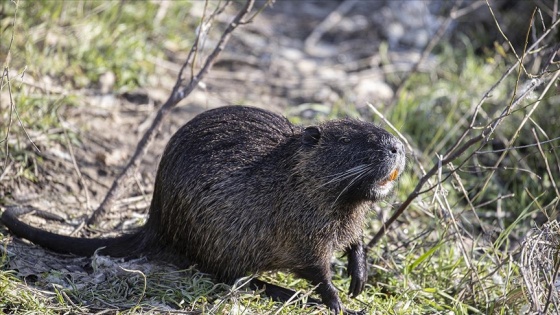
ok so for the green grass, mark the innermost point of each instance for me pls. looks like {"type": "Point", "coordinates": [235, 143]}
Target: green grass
{"type": "Point", "coordinates": [425, 265]}
{"type": "Point", "coordinates": [82, 40]}
{"type": "Point", "coordinates": [16, 297]}
{"type": "Point", "coordinates": [59, 51]}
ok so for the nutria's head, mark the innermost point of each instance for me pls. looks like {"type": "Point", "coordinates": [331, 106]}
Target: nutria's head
{"type": "Point", "coordinates": [353, 160]}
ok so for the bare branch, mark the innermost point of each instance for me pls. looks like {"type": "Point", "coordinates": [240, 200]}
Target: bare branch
{"type": "Point", "coordinates": [179, 92]}
{"type": "Point", "coordinates": [459, 148]}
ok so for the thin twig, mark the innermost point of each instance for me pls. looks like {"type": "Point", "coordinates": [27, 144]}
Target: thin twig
{"type": "Point", "coordinates": [416, 192]}
{"type": "Point", "coordinates": [521, 124]}
{"type": "Point", "coordinates": [537, 144]}
{"type": "Point", "coordinates": [500, 80]}
{"type": "Point", "coordinates": [5, 75]}
{"type": "Point", "coordinates": [76, 167]}
{"type": "Point", "coordinates": [449, 157]}
{"type": "Point", "coordinates": [547, 166]}
{"type": "Point", "coordinates": [179, 92]}
{"type": "Point", "coordinates": [13, 109]}
{"type": "Point", "coordinates": [459, 147]}
{"type": "Point", "coordinates": [520, 59]}
{"type": "Point", "coordinates": [10, 116]}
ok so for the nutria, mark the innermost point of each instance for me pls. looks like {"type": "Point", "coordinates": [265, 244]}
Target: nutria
{"type": "Point", "coordinates": [241, 190]}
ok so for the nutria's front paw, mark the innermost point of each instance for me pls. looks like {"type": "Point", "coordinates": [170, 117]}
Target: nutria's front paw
{"type": "Point", "coordinates": [358, 281]}
{"type": "Point", "coordinates": [357, 269]}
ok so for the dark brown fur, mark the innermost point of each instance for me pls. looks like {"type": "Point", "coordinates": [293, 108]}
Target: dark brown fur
{"type": "Point", "coordinates": [241, 190]}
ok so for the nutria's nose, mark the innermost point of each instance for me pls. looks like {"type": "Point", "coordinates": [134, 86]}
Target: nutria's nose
{"type": "Point", "coordinates": [396, 147]}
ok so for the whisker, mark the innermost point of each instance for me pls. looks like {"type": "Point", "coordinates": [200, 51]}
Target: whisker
{"type": "Point", "coordinates": [352, 182]}
{"type": "Point", "coordinates": [361, 166]}
{"type": "Point", "coordinates": [344, 175]}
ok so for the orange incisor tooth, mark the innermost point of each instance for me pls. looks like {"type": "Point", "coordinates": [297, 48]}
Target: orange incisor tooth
{"type": "Point", "coordinates": [394, 175]}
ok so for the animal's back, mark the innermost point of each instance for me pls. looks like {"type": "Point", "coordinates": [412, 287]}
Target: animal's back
{"type": "Point", "coordinates": [211, 188]}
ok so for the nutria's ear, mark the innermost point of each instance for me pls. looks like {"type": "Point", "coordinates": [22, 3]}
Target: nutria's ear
{"type": "Point", "coordinates": [311, 135]}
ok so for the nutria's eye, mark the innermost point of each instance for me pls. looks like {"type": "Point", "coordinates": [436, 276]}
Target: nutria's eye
{"type": "Point", "coordinates": [344, 140]}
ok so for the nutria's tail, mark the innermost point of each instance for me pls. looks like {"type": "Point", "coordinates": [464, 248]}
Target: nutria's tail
{"type": "Point", "coordinates": [128, 245]}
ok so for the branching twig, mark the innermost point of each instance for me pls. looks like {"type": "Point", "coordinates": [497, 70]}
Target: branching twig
{"type": "Point", "coordinates": [416, 192]}
{"type": "Point", "coordinates": [13, 110]}
{"type": "Point", "coordinates": [459, 147]}
{"type": "Point", "coordinates": [547, 166]}
{"type": "Point", "coordinates": [181, 90]}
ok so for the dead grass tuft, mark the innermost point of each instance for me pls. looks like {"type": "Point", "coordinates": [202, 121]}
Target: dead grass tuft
{"type": "Point", "coordinates": [540, 265]}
